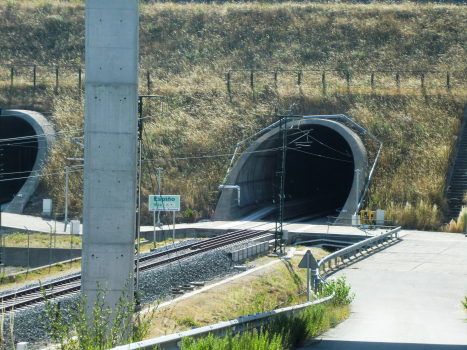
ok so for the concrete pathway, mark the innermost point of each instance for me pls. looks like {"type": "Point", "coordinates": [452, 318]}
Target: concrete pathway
{"type": "Point", "coordinates": [35, 223]}
{"type": "Point", "coordinates": [408, 296]}
{"type": "Point", "coordinates": [38, 224]}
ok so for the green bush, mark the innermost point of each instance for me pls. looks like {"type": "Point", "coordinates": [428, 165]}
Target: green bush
{"type": "Point", "coordinates": [247, 340]}
{"type": "Point", "coordinates": [105, 329]}
{"type": "Point", "coordinates": [341, 290]}
{"type": "Point", "coordinates": [188, 321]}
{"type": "Point", "coordinates": [189, 215]}
{"type": "Point", "coordinates": [465, 302]}
{"type": "Point", "coordinates": [296, 330]}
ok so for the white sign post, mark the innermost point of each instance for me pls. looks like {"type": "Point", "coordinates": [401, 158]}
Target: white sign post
{"type": "Point", "coordinates": [308, 262]}
{"type": "Point", "coordinates": [165, 203]}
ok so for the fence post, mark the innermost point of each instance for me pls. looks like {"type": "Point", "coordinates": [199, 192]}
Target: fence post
{"type": "Point", "coordinates": [251, 79]}
{"type": "Point", "coordinates": [323, 80]}
{"type": "Point", "coordinates": [348, 81]}
{"type": "Point", "coordinates": [447, 80]}
{"type": "Point", "coordinates": [11, 77]}
{"type": "Point", "coordinates": [228, 81]}
{"type": "Point", "coordinates": [149, 82]}
{"type": "Point", "coordinates": [423, 80]}
{"type": "Point", "coordinates": [56, 80]}
{"type": "Point", "coordinates": [275, 79]}
{"type": "Point", "coordinates": [34, 85]}
{"type": "Point", "coordinates": [372, 80]}
{"type": "Point", "coordinates": [299, 77]}
{"type": "Point", "coordinates": [397, 80]}
{"type": "Point", "coordinates": [79, 81]}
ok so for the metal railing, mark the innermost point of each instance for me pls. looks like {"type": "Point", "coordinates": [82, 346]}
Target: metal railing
{"type": "Point", "coordinates": [173, 341]}
{"type": "Point", "coordinates": [353, 250]}
{"type": "Point", "coordinates": [242, 324]}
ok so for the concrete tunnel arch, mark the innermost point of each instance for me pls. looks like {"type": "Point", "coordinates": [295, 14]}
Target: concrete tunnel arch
{"type": "Point", "coordinates": [20, 123]}
{"type": "Point", "coordinates": [320, 178]}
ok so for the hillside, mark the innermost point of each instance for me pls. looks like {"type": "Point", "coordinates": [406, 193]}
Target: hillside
{"type": "Point", "coordinates": [188, 49]}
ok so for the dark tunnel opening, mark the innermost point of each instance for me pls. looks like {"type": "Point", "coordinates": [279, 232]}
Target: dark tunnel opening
{"type": "Point", "coordinates": [17, 156]}
{"type": "Point", "coordinates": [319, 171]}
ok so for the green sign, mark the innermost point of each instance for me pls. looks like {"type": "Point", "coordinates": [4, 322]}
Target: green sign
{"type": "Point", "coordinates": [164, 203]}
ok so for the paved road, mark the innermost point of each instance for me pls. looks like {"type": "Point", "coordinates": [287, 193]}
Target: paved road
{"type": "Point", "coordinates": [407, 297]}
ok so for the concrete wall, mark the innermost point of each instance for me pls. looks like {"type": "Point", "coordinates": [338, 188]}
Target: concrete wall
{"type": "Point", "coordinates": [251, 251]}
{"type": "Point", "coordinates": [110, 152]}
{"type": "Point", "coordinates": [41, 126]}
{"type": "Point", "coordinates": [16, 256]}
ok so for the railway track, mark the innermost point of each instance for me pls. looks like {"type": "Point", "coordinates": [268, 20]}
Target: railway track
{"type": "Point", "coordinates": [71, 285]}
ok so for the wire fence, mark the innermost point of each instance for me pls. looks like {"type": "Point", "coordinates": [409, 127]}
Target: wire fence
{"type": "Point", "coordinates": [34, 79]}
{"type": "Point", "coordinates": [345, 79]}
{"type": "Point", "coordinates": [27, 249]}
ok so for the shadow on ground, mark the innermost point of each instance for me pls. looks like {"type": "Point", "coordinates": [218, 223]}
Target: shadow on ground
{"type": "Point", "coordinates": [359, 345]}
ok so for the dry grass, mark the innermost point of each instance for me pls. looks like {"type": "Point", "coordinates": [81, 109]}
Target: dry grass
{"type": "Point", "coordinates": [189, 47]}
{"type": "Point", "coordinates": [273, 287]}
{"type": "Point", "coordinates": [42, 240]}
{"type": "Point", "coordinates": [19, 281]}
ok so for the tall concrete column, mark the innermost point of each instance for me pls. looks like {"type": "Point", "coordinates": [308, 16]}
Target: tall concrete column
{"type": "Point", "coordinates": [111, 93]}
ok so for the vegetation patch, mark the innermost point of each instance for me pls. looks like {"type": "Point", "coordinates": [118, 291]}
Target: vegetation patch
{"type": "Point", "coordinates": [188, 49]}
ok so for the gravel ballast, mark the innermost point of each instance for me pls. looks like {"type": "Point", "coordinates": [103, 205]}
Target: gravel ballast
{"type": "Point", "coordinates": [155, 285]}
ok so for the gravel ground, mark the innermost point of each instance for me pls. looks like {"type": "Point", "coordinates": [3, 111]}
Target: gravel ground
{"type": "Point", "coordinates": [155, 286]}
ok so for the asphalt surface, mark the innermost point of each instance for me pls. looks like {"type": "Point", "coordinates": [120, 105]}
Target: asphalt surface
{"type": "Point", "coordinates": [408, 296]}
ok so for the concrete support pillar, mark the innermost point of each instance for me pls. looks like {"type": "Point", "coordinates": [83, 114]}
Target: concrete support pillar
{"type": "Point", "coordinates": [111, 94]}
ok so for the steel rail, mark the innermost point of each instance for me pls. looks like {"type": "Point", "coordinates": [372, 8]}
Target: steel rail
{"type": "Point", "coordinates": [243, 324]}
{"type": "Point", "coordinates": [34, 295]}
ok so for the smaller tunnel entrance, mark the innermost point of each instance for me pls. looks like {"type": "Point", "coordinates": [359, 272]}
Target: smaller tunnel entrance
{"type": "Point", "coordinates": [18, 156]}
{"type": "Point", "coordinates": [321, 159]}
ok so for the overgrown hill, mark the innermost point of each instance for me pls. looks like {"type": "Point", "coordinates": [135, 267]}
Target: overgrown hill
{"type": "Point", "coordinates": [188, 49]}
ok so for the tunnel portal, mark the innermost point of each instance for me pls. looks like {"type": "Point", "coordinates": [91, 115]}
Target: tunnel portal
{"type": "Point", "coordinates": [321, 159]}
{"type": "Point", "coordinates": [18, 156]}
{"type": "Point", "coordinates": [26, 137]}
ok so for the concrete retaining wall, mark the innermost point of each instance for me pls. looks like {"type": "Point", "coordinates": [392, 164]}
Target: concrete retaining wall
{"type": "Point", "coordinates": [17, 256]}
{"type": "Point", "coordinates": [251, 251]}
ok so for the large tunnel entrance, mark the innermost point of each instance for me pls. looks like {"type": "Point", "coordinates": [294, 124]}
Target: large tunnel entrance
{"type": "Point", "coordinates": [319, 171]}
{"type": "Point", "coordinates": [18, 156]}
{"type": "Point", "coordinates": [26, 137]}
{"type": "Point", "coordinates": [321, 160]}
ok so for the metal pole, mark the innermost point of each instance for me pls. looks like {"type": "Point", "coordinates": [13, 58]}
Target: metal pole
{"type": "Point", "coordinates": [50, 247]}
{"type": "Point", "coordinates": [28, 246]}
{"type": "Point", "coordinates": [71, 248]}
{"type": "Point", "coordinates": [138, 217]}
{"type": "Point", "coordinates": [154, 228]}
{"type": "Point", "coordinates": [308, 277]}
{"type": "Point", "coordinates": [159, 193]}
{"type": "Point", "coordinates": [357, 172]}
{"type": "Point", "coordinates": [66, 196]}
{"type": "Point", "coordinates": [173, 234]}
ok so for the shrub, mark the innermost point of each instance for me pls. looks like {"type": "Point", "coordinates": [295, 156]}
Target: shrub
{"type": "Point", "coordinates": [105, 329]}
{"type": "Point", "coordinates": [247, 340]}
{"type": "Point", "coordinates": [341, 290]}
{"type": "Point", "coordinates": [465, 302]}
{"type": "Point", "coordinates": [188, 321]}
{"type": "Point", "coordinates": [189, 215]}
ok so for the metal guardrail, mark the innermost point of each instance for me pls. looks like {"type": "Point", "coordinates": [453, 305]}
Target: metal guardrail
{"type": "Point", "coordinates": [357, 248]}
{"type": "Point", "coordinates": [173, 341]}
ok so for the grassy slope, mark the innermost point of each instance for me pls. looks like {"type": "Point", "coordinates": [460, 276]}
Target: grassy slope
{"type": "Point", "coordinates": [188, 48]}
